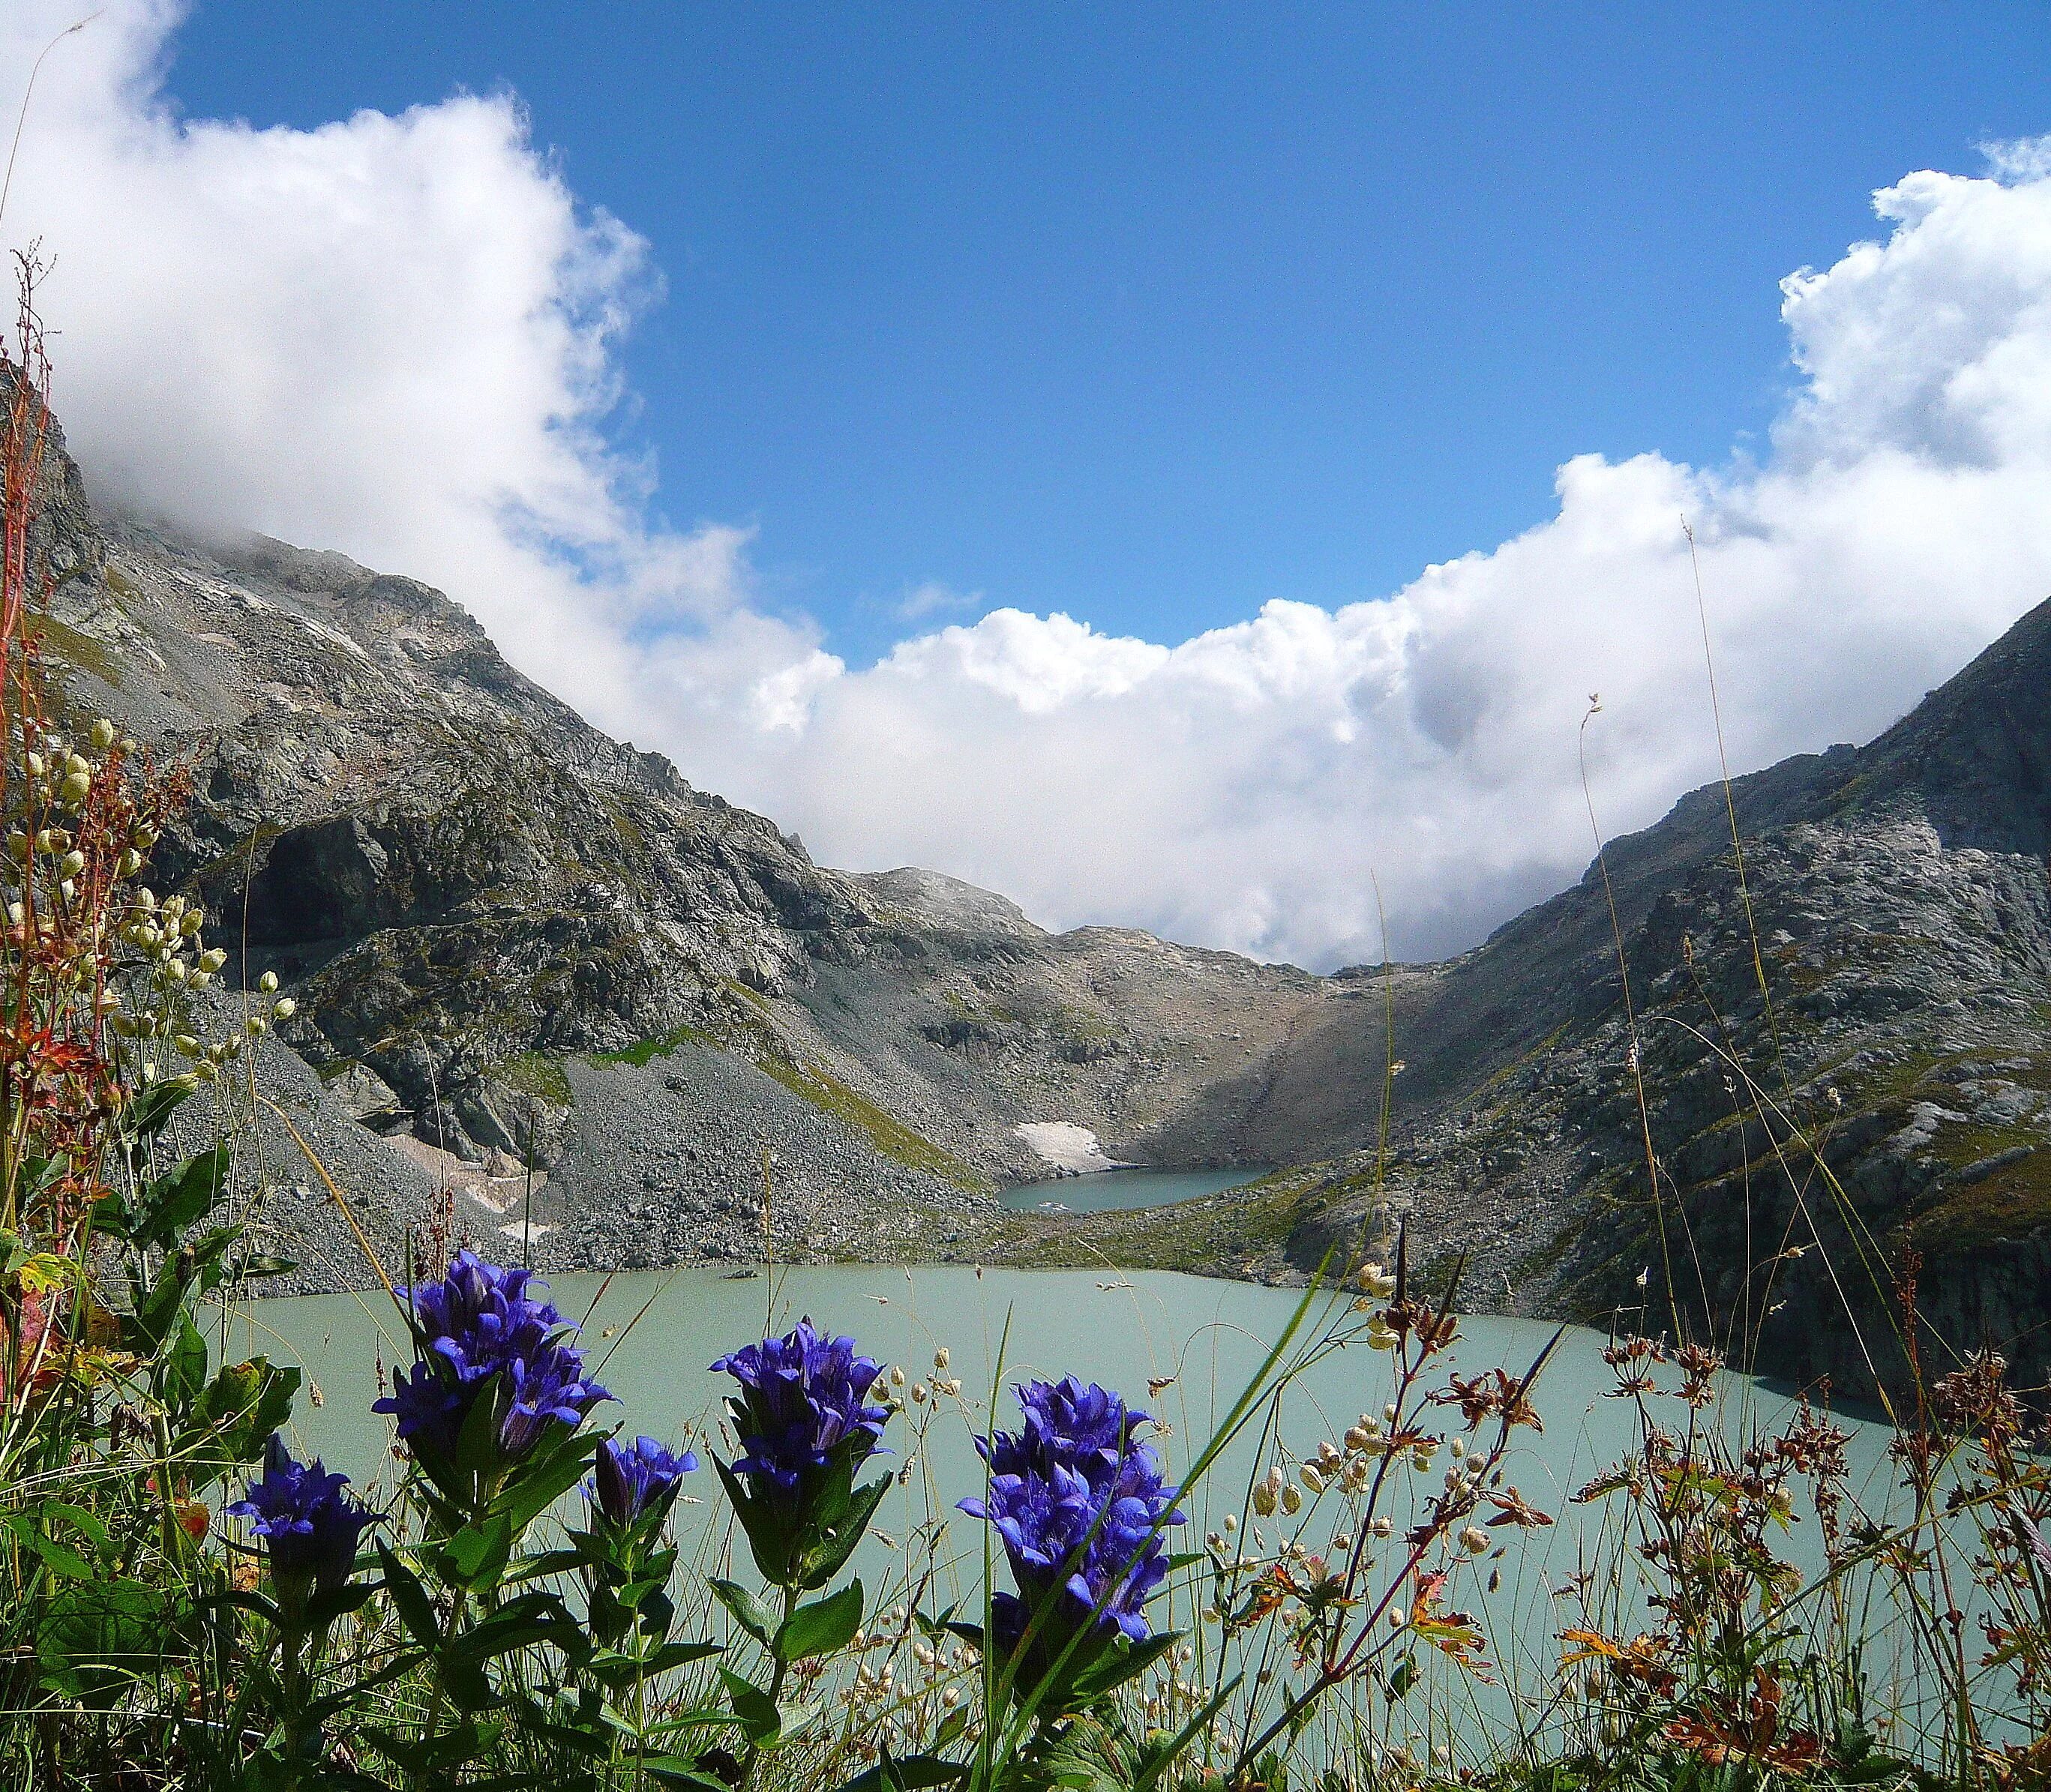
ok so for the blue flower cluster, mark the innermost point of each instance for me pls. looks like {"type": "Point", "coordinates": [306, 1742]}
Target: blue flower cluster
{"type": "Point", "coordinates": [309, 1526]}
{"type": "Point", "coordinates": [1079, 1503]}
{"type": "Point", "coordinates": [802, 1405]}
{"type": "Point", "coordinates": [480, 1323]}
{"type": "Point", "coordinates": [627, 1482]}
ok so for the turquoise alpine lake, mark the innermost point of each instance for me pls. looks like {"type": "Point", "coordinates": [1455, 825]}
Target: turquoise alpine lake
{"type": "Point", "coordinates": [1181, 1347]}
{"type": "Point", "coordinates": [1108, 1191]}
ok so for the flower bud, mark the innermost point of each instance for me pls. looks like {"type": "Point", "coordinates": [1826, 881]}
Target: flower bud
{"type": "Point", "coordinates": [1376, 1281]}
{"type": "Point", "coordinates": [286, 1009]}
{"type": "Point", "coordinates": [267, 981]}
{"type": "Point", "coordinates": [212, 958]}
{"type": "Point", "coordinates": [258, 1025]}
{"type": "Point", "coordinates": [1292, 1501]}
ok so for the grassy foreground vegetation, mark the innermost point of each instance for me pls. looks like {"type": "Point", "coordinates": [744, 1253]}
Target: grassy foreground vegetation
{"type": "Point", "coordinates": [183, 1604]}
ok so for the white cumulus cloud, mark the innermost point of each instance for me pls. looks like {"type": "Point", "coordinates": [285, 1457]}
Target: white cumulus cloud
{"type": "Point", "coordinates": [396, 336]}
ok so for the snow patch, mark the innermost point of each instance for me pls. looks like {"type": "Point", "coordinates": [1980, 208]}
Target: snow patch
{"type": "Point", "coordinates": [1066, 1148]}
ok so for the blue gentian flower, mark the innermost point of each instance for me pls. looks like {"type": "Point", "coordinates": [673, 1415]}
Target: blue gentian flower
{"type": "Point", "coordinates": [629, 1481]}
{"type": "Point", "coordinates": [1078, 1502]}
{"type": "Point", "coordinates": [801, 1406]}
{"type": "Point", "coordinates": [480, 1323]}
{"type": "Point", "coordinates": [308, 1524]}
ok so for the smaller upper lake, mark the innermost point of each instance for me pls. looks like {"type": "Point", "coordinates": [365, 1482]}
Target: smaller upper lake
{"type": "Point", "coordinates": [1106, 1191]}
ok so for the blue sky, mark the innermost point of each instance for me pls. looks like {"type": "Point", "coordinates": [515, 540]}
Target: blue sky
{"type": "Point", "coordinates": [1177, 344]}
{"type": "Point", "coordinates": [1150, 314]}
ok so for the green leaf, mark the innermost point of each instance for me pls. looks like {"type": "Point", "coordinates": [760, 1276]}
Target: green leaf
{"type": "Point", "coordinates": [908, 1771]}
{"type": "Point", "coordinates": [476, 1444]}
{"type": "Point", "coordinates": [60, 1559]}
{"type": "Point", "coordinates": [185, 1363]}
{"type": "Point", "coordinates": [477, 1555]}
{"type": "Point", "coordinates": [171, 1202]}
{"type": "Point", "coordinates": [823, 1628]}
{"type": "Point", "coordinates": [409, 1599]}
{"type": "Point", "coordinates": [556, 1467]}
{"type": "Point", "coordinates": [98, 1636]}
{"type": "Point", "coordinates": [769, 1538]}
{"type": "Point", "coordinates": [533, 1618]}
{"type": "Point", "coordinates": [250, 1268]}
{"type": "Point", "coordinates": [760, 1721]}
{"type": "Point", "coordinates": [1405, 1677]}
{"type": "Point", "coordinates": [151, 1111]}
{"type": "Point", "coordinates": [748, 1612]}
{"type": "Point", "coordinates": [232, 1418]}
{"type": "Point", "coordinates": [828, 1556]}
{"type": "Point", "coordinates": [678, 1770]}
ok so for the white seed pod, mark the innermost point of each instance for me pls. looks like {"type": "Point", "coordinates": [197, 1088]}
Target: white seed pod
{"type": "Point", "coordinates": [69, 888]}
{"type": "Point", "coordinates": [257, 1026]}
{"type": "Point", "coordinates": [145, 898]}
{"type": "Point", "coordinates": [940, 1357]}
{"type": "Point", "coordinates": [37, 765]}
{"type": "Point", "coordinates": [212, 958]}
{"type": "Point", "coordinates": [268, 982]}
{"type": "Point", "coordinates": [1382, 1526]}
{"type": "Point", "coordinates": [285, 1009]}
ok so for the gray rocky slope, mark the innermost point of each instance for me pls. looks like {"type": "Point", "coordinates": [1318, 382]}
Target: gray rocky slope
{"type": "Point", "coordinates": [517, 942]}
{"type": "Point", "coordinates": [591, 999]}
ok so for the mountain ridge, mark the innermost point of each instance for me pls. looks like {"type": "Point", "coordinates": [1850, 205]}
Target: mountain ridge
{"type": "Point", "coordinates": [520, 946]}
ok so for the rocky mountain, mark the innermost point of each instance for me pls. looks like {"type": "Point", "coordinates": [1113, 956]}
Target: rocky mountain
{"type": "Point", "coordinates": [544, 978]}
{"type": "Point", "coordinates": [547, 970]}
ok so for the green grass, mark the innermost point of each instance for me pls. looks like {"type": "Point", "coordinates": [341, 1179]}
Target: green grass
{"type": "Point", "coordinates": [644, 1050]}
{"type": "Point", "coordinates": [75, 649]}
{"type": "Point", "coordinates": [890, 1136]}
{"type": "Point", "coordinates": [535, 1073]}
